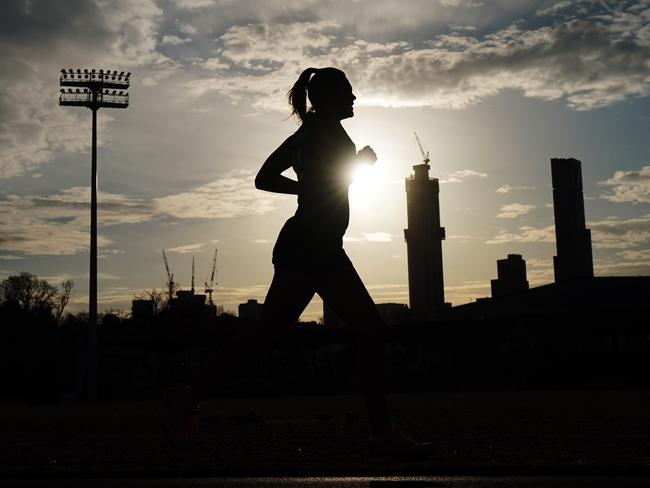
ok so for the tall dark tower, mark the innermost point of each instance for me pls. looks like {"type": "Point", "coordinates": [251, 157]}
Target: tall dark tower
{"type": "Point", "coordinates": [424, 238]}
{"type": "Point", "coordinates": [572, 238]}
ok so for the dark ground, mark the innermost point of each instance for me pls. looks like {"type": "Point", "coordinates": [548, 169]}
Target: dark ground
{"type": "Point", "coordinates": [560, 432]}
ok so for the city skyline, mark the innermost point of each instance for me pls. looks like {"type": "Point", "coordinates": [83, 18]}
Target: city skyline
{"type": "Point", "coordinates": [493, 92]}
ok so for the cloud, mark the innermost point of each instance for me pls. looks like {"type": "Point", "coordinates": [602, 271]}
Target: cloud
{"type": "Point", "coordinates": [621, 234]}
{"type": "Point", "coordinates": [186, 249]}
{"type": "Point", "coordinates": [466, 291]}
{"type": "Point", "coordinates": [456, 27]}
{"type": "Point", "coordinates": [193, 4]}
{"type": "Point", "coordinates": [58, 224]}
{"type": "Point", "coordinates": [105, 253]}
{"type": "Point", "coordinates": [590, 56]}
{"type": "Point", "coordinates": [610, 233]}
{"type": "Point", "coordinates": [539, 271]}
{"type": "Point", "coordinates": [262, 241]}
{"type": "Point", "coordinates": [461, 175]}
{"type": "Point", "coordinates": [460, 3]}
{"type": "Point", "coordinates": [526, 234]}
{"type": "Point", "coordinates": [11, 257]}
{"type": "Point", "coordinates": [629, 186]}
{"type": "Point", "coordinates": [634, 254]}
{"type": "Point", "coordinates": [590, 61]}
{"type": "Point", "coordinates": [188, 29]}
{"type": "Point", "coordinates": [171, 40]}
{"type": "Point", "coordinates": [120, 34]}
{"type": "Point", "coordinates": [213, 64]}
{"type": "Point", "coordinates": [555, 8]}
{"type": "Point", "coordinates": [370, 237]}
{"type": "Point", "coordinates": [504, 189]}
{"type": "Point", "coordinates": [232, 195]}
{"type": "Point", "coordinates": [514, 210]}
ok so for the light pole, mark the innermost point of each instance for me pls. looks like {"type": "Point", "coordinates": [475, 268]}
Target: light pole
{"type": "Point", "coordinates": [93, 89]}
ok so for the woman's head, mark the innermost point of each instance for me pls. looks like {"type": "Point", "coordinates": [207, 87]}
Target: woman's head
{"type": "Point", "coordinates": [328, 90]}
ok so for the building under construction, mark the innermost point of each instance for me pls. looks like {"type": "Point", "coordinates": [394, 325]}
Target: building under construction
{"type": "Point", "coordinates": [424, 237]}
{"type": "Point", "coordinates": [186, 302]}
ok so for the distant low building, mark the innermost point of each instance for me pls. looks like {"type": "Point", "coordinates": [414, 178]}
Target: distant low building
{"type": "Point", "coordinates": [511, 274]}
{"type": "Point", "coordinates": [394, 313]}
{"type": "Point", "coordinates": [251, 310]}
{"type": "Point", "coordinates": [186, 300]}
{"type": "Point", "coordinates": [579, 295]}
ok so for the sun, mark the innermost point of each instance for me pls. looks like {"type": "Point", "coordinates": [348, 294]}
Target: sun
{"type": "Point", "coordinates": [367, 182]}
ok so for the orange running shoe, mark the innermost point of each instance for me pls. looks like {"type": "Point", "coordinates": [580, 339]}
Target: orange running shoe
{"type": "Point", "coordinates": [397, 444]}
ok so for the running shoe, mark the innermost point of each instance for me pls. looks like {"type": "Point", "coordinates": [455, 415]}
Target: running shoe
{"type": "Point", "coordinates": [180, 419]}
{"type": "Point", "coordinates": [397, 444]}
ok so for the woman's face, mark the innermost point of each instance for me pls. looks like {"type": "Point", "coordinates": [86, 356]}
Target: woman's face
{"type": "Point", "coordinates": [344, 100]}
{"type": "Point", "coordinates": [339, 100]}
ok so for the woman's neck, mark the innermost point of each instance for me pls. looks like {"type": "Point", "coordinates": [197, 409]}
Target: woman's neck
{"type": "Point", "coordinates": [327, 117]}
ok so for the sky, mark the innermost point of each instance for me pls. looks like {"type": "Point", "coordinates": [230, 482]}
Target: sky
{"type": "Point", "coordinates": [493, 88]}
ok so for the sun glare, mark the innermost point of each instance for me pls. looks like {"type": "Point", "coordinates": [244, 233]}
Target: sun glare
{"type": "Point", "coordinates": [366, 182]}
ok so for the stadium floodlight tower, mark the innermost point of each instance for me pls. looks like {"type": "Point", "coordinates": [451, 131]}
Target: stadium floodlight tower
{"type": "Point", "coordinates": [93, 89]}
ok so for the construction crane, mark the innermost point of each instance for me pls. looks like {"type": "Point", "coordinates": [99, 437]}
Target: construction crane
{"type": "Point", "coordinates": [171, 286]}
{"type": "Point", "coordinates": [210, 288]}
{"type": "Point", "coordinates": [192, 275]}
{"type": "Point", "coordinates": [425, 155]}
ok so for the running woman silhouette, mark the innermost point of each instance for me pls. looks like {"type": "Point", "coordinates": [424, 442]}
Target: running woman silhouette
{"type": "Point", "coordinates": [308, 255]}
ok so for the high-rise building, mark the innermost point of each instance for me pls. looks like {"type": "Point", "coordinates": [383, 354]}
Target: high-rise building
{"type": "Point", "coordinates": [511, 274]}
{"type": "Point", "coordinates": [572, 238]}
{"type": "Point", "coordinates": [424, 238]}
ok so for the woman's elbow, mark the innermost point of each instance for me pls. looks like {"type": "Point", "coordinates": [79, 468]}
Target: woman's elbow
{"type": "Point", "coordinates": [260, 182]}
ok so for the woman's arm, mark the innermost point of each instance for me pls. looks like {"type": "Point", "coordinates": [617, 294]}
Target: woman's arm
{"type": "Point", "coordinates": [269, 177]}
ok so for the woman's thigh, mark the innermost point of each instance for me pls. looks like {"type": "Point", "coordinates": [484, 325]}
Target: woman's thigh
{"type": "Point", "coordinates": [343, 291]}
{"type": "Point", "coordinates": [290, 292]}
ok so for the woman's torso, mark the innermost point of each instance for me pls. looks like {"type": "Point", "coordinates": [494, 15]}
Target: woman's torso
{"type": "Point", "coordinates": [322, 154]}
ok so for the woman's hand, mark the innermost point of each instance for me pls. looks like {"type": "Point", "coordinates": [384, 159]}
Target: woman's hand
{"type": "Point", "coordinates": [367, 155]}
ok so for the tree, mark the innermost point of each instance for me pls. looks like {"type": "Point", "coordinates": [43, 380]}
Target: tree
{"type": "Point", "coordinates": [35, 296]}
{"type": "Point", "coordinates": [63, 298]}
{"type": "Point", "coordinates": [157, 297]}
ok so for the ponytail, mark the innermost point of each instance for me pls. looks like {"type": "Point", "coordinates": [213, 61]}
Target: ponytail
{"type": "Point", "coordinates": [298, 94]}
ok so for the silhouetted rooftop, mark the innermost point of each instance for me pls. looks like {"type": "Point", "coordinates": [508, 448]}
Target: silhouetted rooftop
{"type": "Point", "coordinates": [608, 293]}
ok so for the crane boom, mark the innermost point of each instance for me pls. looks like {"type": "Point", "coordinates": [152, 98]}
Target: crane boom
{"type": "Point", "coordinates": [210, 288]}
{"type": "Point", "coordinates": [425, 155]}
{"type": "Point", "coordinates": [192, 275]}
{"type": "Point", "coordinates": [169, 275]}
{"type": "Point", "coordinates": [171, 286]}
{"type": "Point", "coordinates": [214, 268]}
